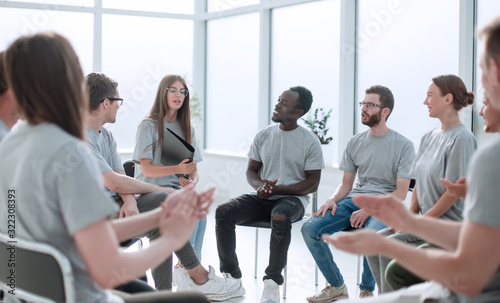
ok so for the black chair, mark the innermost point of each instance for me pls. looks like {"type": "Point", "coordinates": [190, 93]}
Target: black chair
{"type": "Point", "coordinates": [42, 273]}
{"type": "Point", "coordinates": [129, 167]}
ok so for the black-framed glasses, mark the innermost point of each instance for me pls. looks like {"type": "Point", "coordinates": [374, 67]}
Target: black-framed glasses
{"type": "Point", "coordinates": [120, 100]}
{"type": "Point", "coordinates": [182, 91]}
{"type": "Point", "coordinates": [370, 105]}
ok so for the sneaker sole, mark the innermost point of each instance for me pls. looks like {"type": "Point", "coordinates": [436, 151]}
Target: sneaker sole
{"type": "Point", "coordinates": [341, 297]}
{"type": "Point", "coordinates": [218, 297]}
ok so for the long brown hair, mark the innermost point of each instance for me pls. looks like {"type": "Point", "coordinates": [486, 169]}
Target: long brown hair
{"type": "Point", "coordinates": [160, 107]}
{"type": "Point", "coordinates": [46, 78]}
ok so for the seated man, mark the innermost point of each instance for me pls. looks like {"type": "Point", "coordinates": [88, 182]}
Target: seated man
{"type": "Point", "coordinates": [103, 106]}
{"type": "Point", "coordinates": [8, 109]}
{"type": "Point", "coordinates": [383, 159]}
{"type": "Point", "coordinates": [284, 166]}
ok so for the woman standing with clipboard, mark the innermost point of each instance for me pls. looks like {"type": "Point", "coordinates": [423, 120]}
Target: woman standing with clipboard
{"type": "Point", "coordinates": [170, 111]}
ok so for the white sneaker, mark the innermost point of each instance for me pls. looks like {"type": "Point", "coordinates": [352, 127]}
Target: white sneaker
{"type": "Point", "coordinates": [271, 293]}
{"type": "Point", "coordinates": [229, 277]}
{"type": "Point", "coordinates": [217, 288]}
{"type": "Point", "coordinates": [180, 278]}
{"type": "Point", "coordinates": [329, 294]}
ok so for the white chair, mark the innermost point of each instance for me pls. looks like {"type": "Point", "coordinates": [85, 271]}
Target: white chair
{"type": "Point", "coordinates": [41, 273]}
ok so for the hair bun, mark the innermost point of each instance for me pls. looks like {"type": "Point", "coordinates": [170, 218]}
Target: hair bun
{"type": "Point", "coordinates": [470, 98]}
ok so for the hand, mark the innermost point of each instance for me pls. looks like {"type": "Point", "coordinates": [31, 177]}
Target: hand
{"type": "Point", "coordinates": [363, 242]}
{"type": "Point", "coordinates": [186, 168]}
{"type": "Point", "coordinates": [128, 209]}
{"type": "Point", "coordinates": [329, 204]}
{"type": "Point", "coordinates": [266, 190]}
{"type": "Point", "coordinates": [387, 209]}
{"type": "Point", "coordinates": [457, 189]}
{"type": "Point", "coordinates": [185, 181]}
{"type": "Point", "coordinates": [358, 218]}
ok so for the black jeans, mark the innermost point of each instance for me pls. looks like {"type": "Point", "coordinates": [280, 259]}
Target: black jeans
{"type": "Point", "coordinates": [281, 213]}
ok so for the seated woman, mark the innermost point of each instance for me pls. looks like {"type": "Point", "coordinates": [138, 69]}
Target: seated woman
{"type": "Point", "coordinates": [60, 197]}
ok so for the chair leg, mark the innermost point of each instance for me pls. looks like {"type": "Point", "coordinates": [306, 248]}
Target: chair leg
{"type": "Point", "coordinates": [256, 251]}
{"type": "Point", "coordinates": [315, 274]}
{"type": "Point", "coordinates": [284, 283]}
{"type": "Point", "coordinates": [359, 270]}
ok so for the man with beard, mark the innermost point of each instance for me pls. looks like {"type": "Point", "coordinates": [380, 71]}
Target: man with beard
{"type": "Point", "coordinates": [382, 158]}
{"type": "Point", "coordinates": [284, 166]}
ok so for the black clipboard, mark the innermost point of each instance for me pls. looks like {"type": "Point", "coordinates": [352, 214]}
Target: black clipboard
{"type": "Point", "coordinates": [175, 150]}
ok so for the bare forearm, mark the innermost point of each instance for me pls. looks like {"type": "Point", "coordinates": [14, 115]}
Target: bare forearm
{"type": "Point", "coordinates": [414, 207]}
{"type": "Point", "coordinates": [129, 265]}
{"type": "Point", "coordinates": [254, 180]}
{"type": "Point", "coordinates": [442, 206]}
{"type": "Point", "coordinates": [341, 192]}
{"type": "Point", "coordinates": [155, 171]}
{"type": "Point", "coordinates": [129, 227]}
{"type": "Point", "coordinates": [126, 185]}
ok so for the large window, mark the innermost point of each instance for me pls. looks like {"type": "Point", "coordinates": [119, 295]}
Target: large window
{"type": "Point", "coordinates": [77, 27]}
{"type": "Point", "coordinates": [165, 6]}
{"type": "Point", "coordinates": [232, 83]}
{"type": "Point", "coordinates": [401, 49]}
{"type": "Point", "coordinates": [138, 52]}
{"type": "Point", "coordinates": [221, 5]}
{"type": "Point", "coordinates": [305, 51]}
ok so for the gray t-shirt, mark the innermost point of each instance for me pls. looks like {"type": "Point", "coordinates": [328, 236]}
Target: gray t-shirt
{"type": "Point", "coordinates": [482, 206]}
{"type": "Point", "coordinates": [146, 148]}
{"type": "Point", "coordinates": [286, 155]}
{"type": "Point", "coordinates": [58, 193]}
{"type": "Point", "coordinates": [4, 130]}
{"type": "Point", "coordinates": [106, 154]}
{"type": "Point", "coordinates": [442, 154]}
{"type": "Point", "coordinates": [378, 161]}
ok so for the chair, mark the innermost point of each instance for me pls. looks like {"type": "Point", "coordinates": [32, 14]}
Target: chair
{"type": "Point", "coordinates": [129, 167]}
{"type": "Point", "coordinates": [266, 224]}
{"type": "Point", "coordinates": [40, 272]}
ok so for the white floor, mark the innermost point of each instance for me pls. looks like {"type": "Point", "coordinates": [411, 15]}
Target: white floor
{"type": "Point", "coordinates": [301, 278]}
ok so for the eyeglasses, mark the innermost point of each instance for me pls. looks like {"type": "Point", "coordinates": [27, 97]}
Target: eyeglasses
{"type": "Point", "coordinates": [174, 91]}
{"type": "Point", "coordinates": [120, 100]}
{"type": "Point", "coordinates": [370, 105]}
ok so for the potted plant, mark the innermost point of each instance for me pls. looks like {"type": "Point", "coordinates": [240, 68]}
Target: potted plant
{"type": "Point", "coordinates": [317, 123]}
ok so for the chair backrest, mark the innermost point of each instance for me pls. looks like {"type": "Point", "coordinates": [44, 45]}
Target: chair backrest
{"type": "Point", "coordinates": [35, 272]}
{"type": "Point", "coordinates": [129, 167]}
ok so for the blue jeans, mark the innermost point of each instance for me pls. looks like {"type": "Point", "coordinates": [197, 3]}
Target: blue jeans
{"type": "Point", "coordinates": [317, 226]}
{"type": "Point", "coordinates": [196, 238]}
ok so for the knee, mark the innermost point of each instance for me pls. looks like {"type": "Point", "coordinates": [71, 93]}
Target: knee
{"type": "Point", "coordinates": [222, 211]}
{"type": "Point", "coordinates": [309, 229]}
{"type": "Point", "coordinates": [280, 221]}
